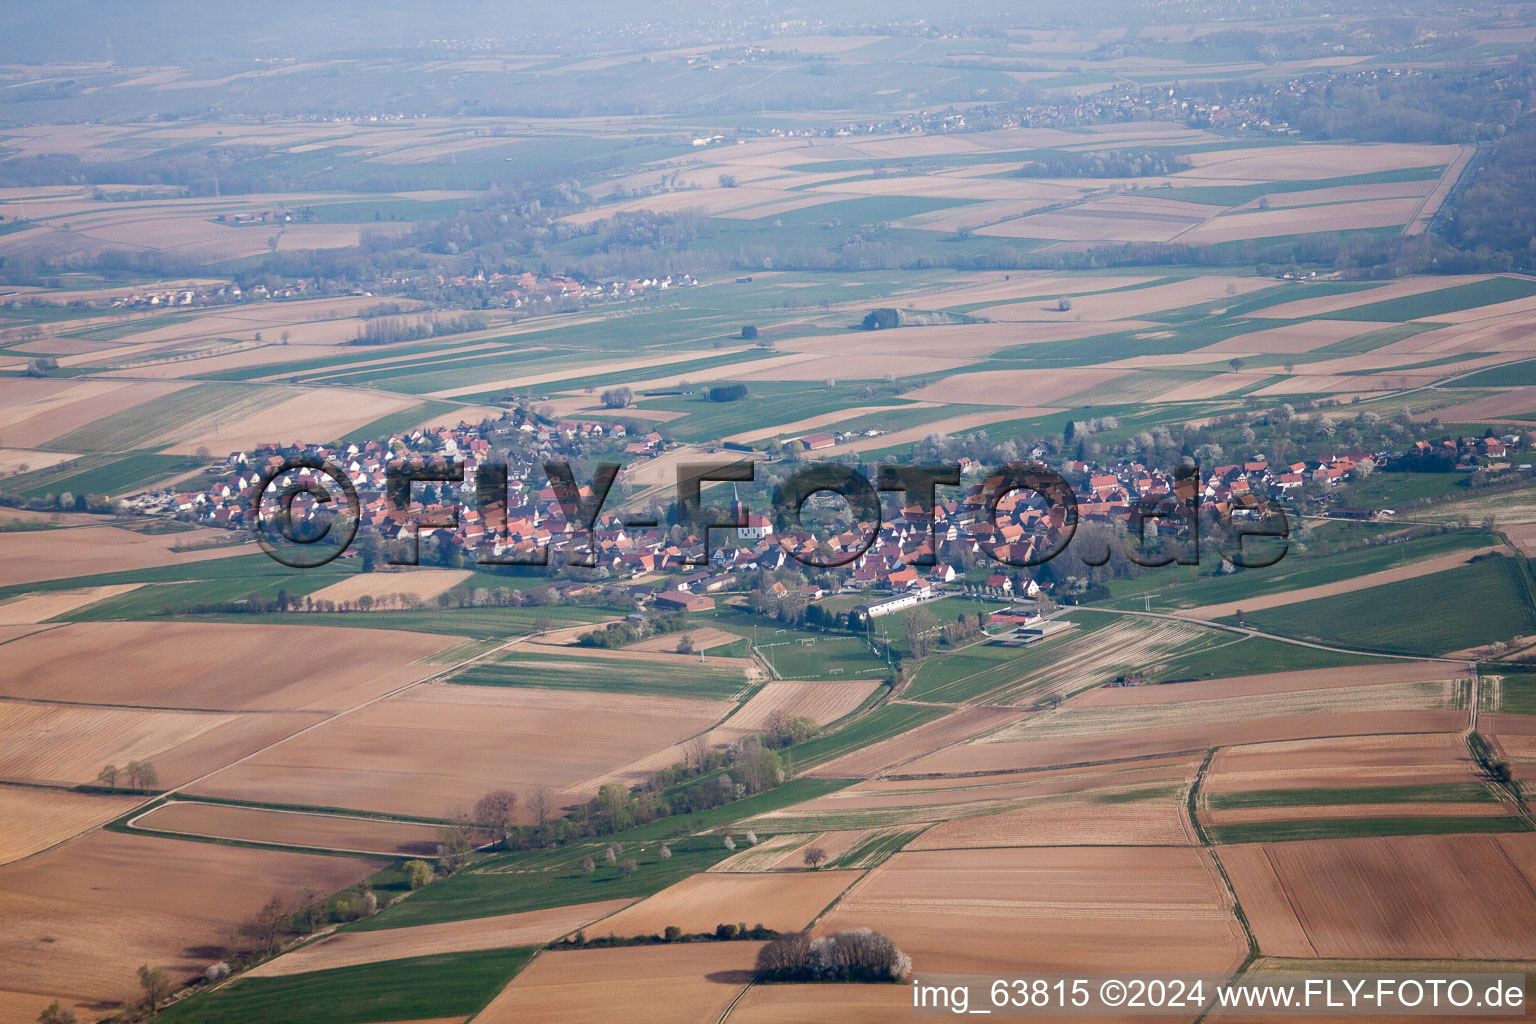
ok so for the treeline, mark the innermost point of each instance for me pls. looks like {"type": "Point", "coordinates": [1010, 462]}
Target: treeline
{"type": "Point", "coordinates": [1105, 164]}
{"type": "Point", "coordinates": [671, 934]}
{"type": "Point", "coordinates": [385, 330]}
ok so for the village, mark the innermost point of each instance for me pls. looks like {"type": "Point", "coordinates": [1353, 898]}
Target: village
{"type": "Point", "coordinates": [915, 554]}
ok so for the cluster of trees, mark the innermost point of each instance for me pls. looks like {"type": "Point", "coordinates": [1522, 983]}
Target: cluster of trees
{"type": "Point", "coordinates": [622, 634]}
{"type": "Point", "coordinates": [726, 392]}
{"type": "Point", "coordinates": [618, 398]}
{"type": "Point", "coordinates": [861, 954]}
{"type": "Point", "coordinates": [1116, 163]}
{"type": "Point", "coordinates": [385, 330]}
{"type": "Point", "coordinates": [881, 319]}
{"type": "Point", "coordinates": [139, 775]}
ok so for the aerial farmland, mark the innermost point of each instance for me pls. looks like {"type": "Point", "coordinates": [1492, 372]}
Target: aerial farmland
{"type": "Point", "coordinates": [738, 516]}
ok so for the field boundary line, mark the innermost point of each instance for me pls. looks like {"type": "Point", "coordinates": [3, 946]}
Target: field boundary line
{"type": "Point", "coordinates": [171, 792]}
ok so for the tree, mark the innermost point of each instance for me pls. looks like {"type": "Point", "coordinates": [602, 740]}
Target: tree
{"type": "Point", "coordinates": [419, 872]}
{"type": "Point", "coordinates": [454, 843]}
{"type": "Point", "coordinates": [729, 181]}
{"type": "Point", "coordinates": [57, 1014]}
{"type": "Point", "coordinates": [1236, 364]}
{"type": "Point", "coordinates": [1063, 305]}
{"type": "Point", "coordinates": [618, 398]}
{"type": "Point", "coordinates": [108, 776]}
{"type": "Point", "coordinates": [587, 866]}
{"type": "Point", "coordinates": [493, 813]}
{"type": "Point", "coordinates": [156, 983]}
{"type": "Point", "coordinates": [730, 844]}
{"type": "Point", "coordinates": [628, 867]}
{"type": "Point", "coordinates": [265, 930]}
{"type": "Point", "coordinates": [881, 319]}
{"type": "Point", "coordinates": [666, 852]}
{"type": "Point", "coordinates": [672, 934]}
{"type": "Point", "coordinates": [814, 857]}
{"type": "Point", "coordinates": [748, 332]}
{"type": "Point", "coordinates": [685, 644]}
{"type": "Point", "coordinates": [541, 804]}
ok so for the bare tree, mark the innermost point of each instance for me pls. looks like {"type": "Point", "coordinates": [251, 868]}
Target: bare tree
{"type": "Point", "coordinates": [628, 867]}
{"type": "Point", "coordinates": [265, 930]}
{"type": "Point", "coordinates": [814, 857]}
{"type": "Point", "coordinates": [493, 813]}
{"type": "Point", "coordinates": [455, 843]}
{"type": "Point", "coordinates": [108, 776]}
{"type": "Point", "coordinates": [542, 804]}
{"type": "Point", "coordinates": [156, 983]}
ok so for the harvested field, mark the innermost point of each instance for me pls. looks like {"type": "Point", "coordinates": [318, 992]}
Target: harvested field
{"type": "Point", "coordinates": [189, 665]}
{"type": "Point", "coordinates": [33, 608]}
{"type": "Point", "coordinates": [1311, 161]}
{"type": "Point", "coordinates": [312, 417]}
{"type": "Point", "coordinates": [12, 459]}
{"type": "Point", "coordinates": [1015, 755]}
{"type": "Point", "coordinates": [1050, 910]}
{"type": "Point", "coordinates": [1395, 760]}
{"type": "Point", "coordinates": [347, 949]}
{"type": "Point", "coordinates": [1073, 721]}
{"type": "Point", "coordinates": [61, 554]}
{"type": "Point", "coordinates": [637, 984]}
{"type": "Point", "coordinates": [1504, 404]}
{"type": "Point", "coordinates": [389, 757]}
{"type": "Point", "coordinates": [1270, 683]}
{"type": "Point", "coordinates": [904, 800]}
{"type": "Point", "coordinates": [704, 638]}
{"type": "Point", "coordinates": [156, 901]}
{"type": "Point", "coordinates": [817, 1004]}
{"type": "Point", "coordinates": [783, 902]}
{"type": "Point", "coordinates": [387, 587]}
{"type": "Point", "coordinates": [1041, 388]}
{"type": "Point", "coordinates": [821, 702]}
{"type": "Point", "coordinates": [1467, 896]}
{"type": "Point", "coordinates": [1294, 220]}
{"type": "Point", "coordinates": [1122, 305]}
{"type": "Point", "coordinates": [925, 739]}
{"type": "Point", "coordinates": [36, 818]}
{"type": "Point", "coordinates": [291, 828]}
{"type": "Point", "coordinates": [1135, 808]}
{"type": "Point", "coordinates": [67, 744]}
{"type": "Point", "coordinates": [1289, 339]}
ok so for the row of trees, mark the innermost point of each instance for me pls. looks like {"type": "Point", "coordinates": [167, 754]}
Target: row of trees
{"type": "Point", "coordinates": [139, 775]}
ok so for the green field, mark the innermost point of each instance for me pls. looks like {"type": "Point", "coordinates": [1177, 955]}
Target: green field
{"type": "Point", "coordinates": [1442, 792]}
{"type": "Point", "coordinates": [1349, 828]}
{"type": "Point", "coordinates": [1176, 588]}
{"type": "Point", "coordinates": [1522, 374]}
{"type": "Point", "coordinates": [417, 988]}
{"type": "Point", "coordinates": [1488, 600]}
{"type": "Point", "coordinates": [715, 679]}
{"type": "Point", "coordinates": [820, 657]}
{"type": "Point", "coordinates": [1442, 300]}
{"type": "Point", "coordinates": [982, 668]}
{"type": "Point", "coordinates": [880, 724]}
{"type": "Point", "coordinates": [102, 475]}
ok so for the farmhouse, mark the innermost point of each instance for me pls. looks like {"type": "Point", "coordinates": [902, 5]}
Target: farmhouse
{"type": "Point", "coordinates": [684, 600]}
